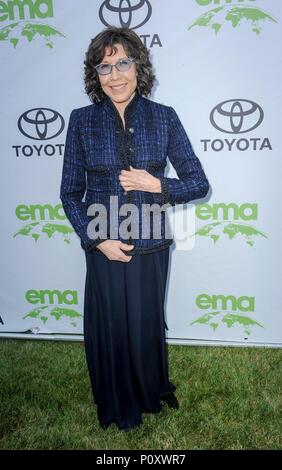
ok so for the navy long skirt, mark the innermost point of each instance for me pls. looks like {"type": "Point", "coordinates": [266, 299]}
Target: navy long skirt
{"type": "Point", "coordinates": [124, 336]}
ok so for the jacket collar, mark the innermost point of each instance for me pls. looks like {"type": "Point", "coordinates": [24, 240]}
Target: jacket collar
{"type": "Point", "coordinates": [131, 109]}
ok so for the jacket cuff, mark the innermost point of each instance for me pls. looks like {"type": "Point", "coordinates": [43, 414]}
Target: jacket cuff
{"type": "Point", "coordinates": [91, 245]}
{"type": "Point", "coordinates": [164, 188]}
{"type": "Point", "coordinates": [162, 197]}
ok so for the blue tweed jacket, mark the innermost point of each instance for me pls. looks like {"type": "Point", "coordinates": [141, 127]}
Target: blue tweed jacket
{"type": "Point", "coordinates": [98, 147]}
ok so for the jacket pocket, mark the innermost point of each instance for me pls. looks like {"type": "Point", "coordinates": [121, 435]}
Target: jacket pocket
{"type": "Point", "coordinates": [152, 165]}
{"type": "Point", "coordinates": [98, 178]}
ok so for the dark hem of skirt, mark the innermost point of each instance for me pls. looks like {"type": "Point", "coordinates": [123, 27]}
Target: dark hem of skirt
{"type": "Point", "coordinates": [147, 411]}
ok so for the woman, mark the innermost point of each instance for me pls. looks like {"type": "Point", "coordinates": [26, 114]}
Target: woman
{"type": "Point", "coordinates": [121, 142]}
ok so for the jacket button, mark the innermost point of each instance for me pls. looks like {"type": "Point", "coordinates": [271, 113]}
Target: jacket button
{"type": "Point", "coordinates": [124, 192]}
{"type": "Point", "coordinates": [131, 130]}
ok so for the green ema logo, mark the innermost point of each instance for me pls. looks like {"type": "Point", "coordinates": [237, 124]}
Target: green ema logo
{"type": "Point", "coordinates": [223, 310]}
{"type": "Point", "coordinates": [25, 26]}
{"type": "Point", "coordinates": [45, 220]}
{"type": "Point", "coordinates": [232, 13]}
{"type": "Point", "coordinates": [229, 220]}
{"type": "Point", "coordinates": [50, 305]}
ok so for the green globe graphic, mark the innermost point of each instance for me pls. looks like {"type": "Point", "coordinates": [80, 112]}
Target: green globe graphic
{"type": "Point", "coordinates": [234, 16]}
{"type": "Point", "coordinates": [47, 312]}
{"type": "Point", "coordinates": [36, 229]}
{"type": "Point", "coordinates": [229, 319]}
{"type": "Point", "coordinates": [231, 230]}
{"type": "Point", "coordinates": [16, 32]}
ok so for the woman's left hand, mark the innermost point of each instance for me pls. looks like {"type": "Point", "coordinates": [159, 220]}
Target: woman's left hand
{"type": "Point", "coordinates": [139, 180]}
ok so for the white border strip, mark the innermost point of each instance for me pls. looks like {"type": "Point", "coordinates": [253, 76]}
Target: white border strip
{"type": "Point", "coordinates": [181, 341]}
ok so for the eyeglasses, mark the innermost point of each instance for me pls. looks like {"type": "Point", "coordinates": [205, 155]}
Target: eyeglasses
{"type": "Point", "coordinates": [123, 65]}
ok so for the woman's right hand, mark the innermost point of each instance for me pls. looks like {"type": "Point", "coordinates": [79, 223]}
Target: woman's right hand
{"type": "Point", "coordinates": [112, 250]}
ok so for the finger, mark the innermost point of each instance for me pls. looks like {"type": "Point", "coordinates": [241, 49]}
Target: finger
{"type": "Point", "coordinates": [125, 246]}
{"type": "Point", "coordinates": [129, 185]}
{"type": "Point", "coordinates": [128, 258]}
{"type": "Point", "coordinates": [124, 179]}
{"type": "Point", "coordinates": [129, 172]}
{"type": "Point", "coordinates": [123, 257]}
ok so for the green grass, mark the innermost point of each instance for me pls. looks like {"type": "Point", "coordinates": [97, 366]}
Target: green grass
{"type": "Point", "coordinates": [230, 398]}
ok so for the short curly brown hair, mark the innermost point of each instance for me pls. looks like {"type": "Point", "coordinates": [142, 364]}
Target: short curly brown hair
{"type": "Point", "coordinates": [133, 47]}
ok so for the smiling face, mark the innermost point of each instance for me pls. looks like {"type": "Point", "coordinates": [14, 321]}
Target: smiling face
{"type": "Point", "coordinates": [119, 86]}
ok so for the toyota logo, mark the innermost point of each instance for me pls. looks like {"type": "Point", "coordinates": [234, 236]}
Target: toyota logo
{"type": "Point", "coordinates": [41, 124]}
{"type": "Point", "coordinates": [236, 116]}
{"type": "Point", "coordinates": [138, 13]}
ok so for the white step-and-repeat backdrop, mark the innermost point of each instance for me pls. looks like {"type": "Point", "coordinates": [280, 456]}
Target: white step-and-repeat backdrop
{"type": "Point", "coordinates": [218, 63]}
